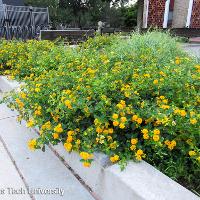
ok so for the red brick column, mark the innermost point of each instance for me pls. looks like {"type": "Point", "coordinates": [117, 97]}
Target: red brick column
{"type": "Point", "coordinates": [156, 13]}
{"type": "Point", "coordinates": [195, 19]}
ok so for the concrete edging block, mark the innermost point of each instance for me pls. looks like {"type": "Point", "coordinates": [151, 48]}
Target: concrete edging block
{"type": "Point", "coordinates": [91, 176]}
{"type": "Point", "coordinates": [8, 85]}
{"type": "Point", "coordinates": [139, 181]}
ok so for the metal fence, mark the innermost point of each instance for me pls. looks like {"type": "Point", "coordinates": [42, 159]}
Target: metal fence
{"type": "Point", "coordinates": [22, 22]}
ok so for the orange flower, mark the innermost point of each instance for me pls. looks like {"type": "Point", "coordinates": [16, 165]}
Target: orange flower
{"type": "Point", "coordinates": [139, 120]}
{"type": "Point", "coordinates": [86, 164]}
{"type": "Point", "coordinates": [155, 82]}
{"type": "Point", "coordinates": [115, 123]}
{"type": "Point", "coordinates": [55, 136]}
{"type": "Point", "coordinates": [134, 141]}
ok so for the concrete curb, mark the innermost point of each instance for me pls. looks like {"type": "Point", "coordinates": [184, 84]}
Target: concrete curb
{"type": "Point", "coordinates": [139, 181]}
{"type": "Point", "coordinates": [8, 85]}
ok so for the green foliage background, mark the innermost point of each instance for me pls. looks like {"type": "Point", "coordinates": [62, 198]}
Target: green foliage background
{"type": "Point", "coordinates": [87, 14]}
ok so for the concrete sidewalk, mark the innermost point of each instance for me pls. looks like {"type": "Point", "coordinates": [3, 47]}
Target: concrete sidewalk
{"type": "Point", "coordinates": [9, 177]}
{"type": "Point", "coordinates": [192, 49]}
{"type": "Point", "coordinates": [22, 170]}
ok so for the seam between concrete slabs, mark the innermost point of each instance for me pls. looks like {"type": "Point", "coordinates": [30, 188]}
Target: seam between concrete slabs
{"type": "Point", "coordinates": [16, 167]}
{"type": "Point", "coordinates": [8, 117]}
{"type": "Point", "coordinates": [70, 169]}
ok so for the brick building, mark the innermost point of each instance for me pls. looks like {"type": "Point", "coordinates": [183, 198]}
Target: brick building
{"type": "Point", "coordinates": [170, 13]}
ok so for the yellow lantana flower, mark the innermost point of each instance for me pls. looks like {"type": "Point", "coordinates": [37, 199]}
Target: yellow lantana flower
{"type": "Point", "coordinates": [38, 112]}
{"type": "Point", "coordinates": [120, 106]}
{"type": "Point", "coordinates": [134, 118]}
{"type": "Point", "coordinates": [68, 146]}
{"type": "Point", "coordinates": [69, 133]}
{"type": "Point", "coordinates": [115, 116]}
{"type": "Point", "coordinates": [155, 82]}
{"type": "Point", "coordinates": [139, 154]}
{"type": "Point", "coordinates": [192, 153]}
{"type": "Point", "coordinates": [86, 164]}
{"type": "Point", "coordinates": [144, 131]}
{"type": "Point", "coordinates": [123, 119]}
{"type": "Point", "coordinates": [146, 136]}
{"type": "Point", "coordinates": [85, 155]}
{"type": "Point", "coordinates": [115, 123]}
{"type": "Point", "coordinates": [99, 130]}
{"type": "Point", "coordinates": [193, 121]}
{"type": "Point", "coordinates": [177, 61]}
{"type": "Point", "coordinates": [55, 136]}
{"type": "Point", "coordinates": [23, 95]}
{"type": "Point", "coordinates": [183, 113]}
{"type": "Point", "coordinates": [68, 104]}
{"type": "Point", "coordinates": [121, 125]}
{"type": "Point", "coordinates": [37, 89]}
{"type": "Point", "coordinates": [110, 130]}
{"type": "Point", "coordinates": [69, 139]}
{"type": "Point", "coordinates": [156, 138]}
{"type": "Point", "coordinates": [171, 144]}
{"type": "Point", "coordinates": [156, 132]}
{"type": "Point", "coordinates": [134, 141]}
{"type": "Point", "coordinates": [139, 120]}
{"type": "Point", "coordinates": [30, 123]}
{"type": "Point", "coordinates": [165, 107]}
{"type": "Point", "coordinates": [114, 158]}
{"type": "Point", "coordinates": [31, 144]}
{"type": "Point", "coordinates": [162, 97]}
{"type": "Point", "coordinates": [58, 128]}
{"type": "Point", "coordinates": [133, 147]}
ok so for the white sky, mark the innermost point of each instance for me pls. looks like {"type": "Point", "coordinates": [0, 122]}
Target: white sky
{"type": "Point", "coordinates": [131, 2]}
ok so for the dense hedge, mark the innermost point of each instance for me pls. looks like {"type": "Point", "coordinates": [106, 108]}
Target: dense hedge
{"type": "Point", "coordinates": [130, 99]}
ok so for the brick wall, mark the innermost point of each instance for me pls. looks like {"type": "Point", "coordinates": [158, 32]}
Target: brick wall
{"type": "Point", "coordinates": [195, 19]}
{"type": "Point", "coordinates": [156, 13]}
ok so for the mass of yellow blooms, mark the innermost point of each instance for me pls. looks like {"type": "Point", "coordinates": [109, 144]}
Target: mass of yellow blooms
{"type": "Point", "coordinates": [131, 99]}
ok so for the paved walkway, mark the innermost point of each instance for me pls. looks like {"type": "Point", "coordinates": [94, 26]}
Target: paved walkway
{"type": "Point", "coordinates": [39, 173]}
{"type": "Point", "coordinates": [192, 49]}
{"type": "Point", "coordinates": [195, 40]}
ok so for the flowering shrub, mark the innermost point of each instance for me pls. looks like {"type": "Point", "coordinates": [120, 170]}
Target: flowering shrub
{"type": "Point", "coordinates": [22, 60]}
{"type": "Point", "coordinates": [132, 100]}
